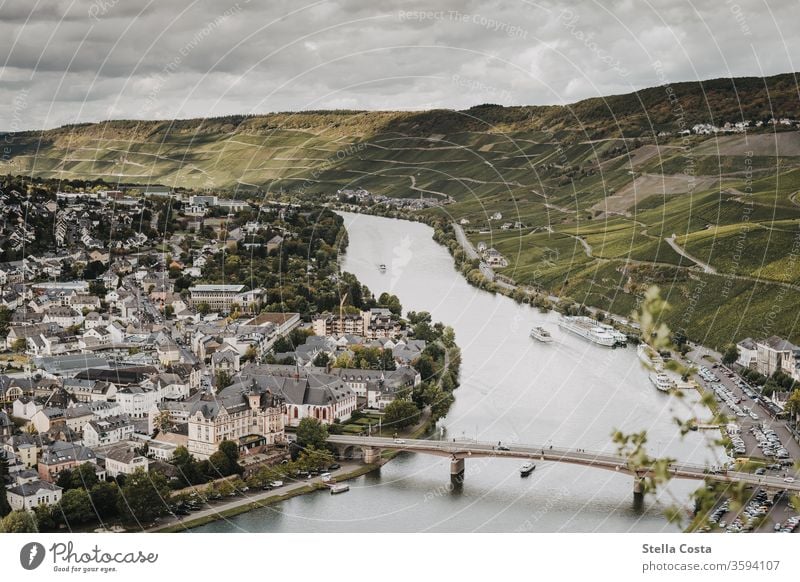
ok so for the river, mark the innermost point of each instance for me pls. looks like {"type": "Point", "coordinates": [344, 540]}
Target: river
{"type": "Point", "coordinates": [569, 394]}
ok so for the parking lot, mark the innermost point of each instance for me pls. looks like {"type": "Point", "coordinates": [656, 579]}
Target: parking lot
{"type": "Point", "coordinates": [743, 406]}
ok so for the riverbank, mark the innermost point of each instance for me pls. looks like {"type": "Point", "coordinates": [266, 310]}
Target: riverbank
{"type": "Point", "coordinates": [249, 503]}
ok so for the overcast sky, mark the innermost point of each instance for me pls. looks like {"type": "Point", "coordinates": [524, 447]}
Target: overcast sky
{"type": "Point", "coordinates": [65, 61]}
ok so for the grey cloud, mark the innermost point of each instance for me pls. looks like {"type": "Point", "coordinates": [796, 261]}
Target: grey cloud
{"type": "Point", "coordinates": [114, 58]}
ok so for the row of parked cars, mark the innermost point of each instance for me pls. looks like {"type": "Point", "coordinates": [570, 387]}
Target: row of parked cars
{"type": "Point", "coordinates": [769, 442]}
{"type": "Point", "coordinates": [789, 525]}
{"type": "Point", "coordinates": [737, 442]}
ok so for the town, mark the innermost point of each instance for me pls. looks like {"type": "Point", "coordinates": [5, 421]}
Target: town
{"type": "Point", "coordinates": [154, 342]}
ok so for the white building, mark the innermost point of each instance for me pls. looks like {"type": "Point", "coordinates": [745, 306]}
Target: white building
{"type": "Point", "coordinates": [31, 495]}
{"type": "Point", "coordinates": [748, 353]}
{"type": "Point", "coordinates": [107, 431]}
{"type": "Point", "coordinates": [124, 460]}
{"type": "Point", "coordinates": [137, 401]}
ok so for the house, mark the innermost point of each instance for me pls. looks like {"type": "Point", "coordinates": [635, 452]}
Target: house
{"type": "Point", "coordinates": [775, 353]}
{"type": "Point", "coordinates": [225, 360]}
{"type": "Point", "coordinates": [31, 495]}
{"type": "Point", "coordinates": [63, 316]}
{"type": "Point", "coordinates": [167, 350]}
{"type": "Point", "coordinates": [171, 386]}
{"type": "Point", "coordinates": [237, 413]}
{"type": "Point", "coordinates": [377, 387]}
{"type": "Point", "coordinates": [216, 297]}
{"type": "Point", "coordinates": [748, 353]}
{"type": "Point", "coordinates": [62, 455]}
{"type": "Point", "coordinates": [124, 460]}
{"type": "Point", "coordinates": [77, 416]}
{"type": "Point", "coordinates": [6, 426]}
{"type": "Point", "coordinates": [100, 335]}
{"type": "Point", "coordinates": [47, 418]}
{"type": "Point", "coordinates": [26, 447]}
{"type": "Point", "coordinates": [107, 431]}
{"type": "Point", "coordinates": [25, 407]}
{"type": "Point", "coordinates": [137, 401]}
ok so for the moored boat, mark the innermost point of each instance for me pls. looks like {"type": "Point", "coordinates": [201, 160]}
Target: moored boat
{"type": "Point", "coordinates": [541, 334]}
{"type": "Point", "coordinates": [339, 488]}
{"type": "Point", "coordinates": [587, 328]}
{"type": "Point", "coordinates": [661, 381]}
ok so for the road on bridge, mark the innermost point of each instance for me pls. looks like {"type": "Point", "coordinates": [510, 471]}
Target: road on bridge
{"type": "Point", "coordinates": [466, 449]}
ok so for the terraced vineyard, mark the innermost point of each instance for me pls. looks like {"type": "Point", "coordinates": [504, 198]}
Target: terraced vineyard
{"type": "Point", "coordinates": [589, 193]}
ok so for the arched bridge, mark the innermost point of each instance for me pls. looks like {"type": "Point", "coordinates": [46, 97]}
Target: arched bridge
{"type": "Point", "coordinates": [458, 451]}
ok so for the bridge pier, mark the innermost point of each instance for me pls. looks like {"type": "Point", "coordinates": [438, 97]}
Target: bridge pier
{"type": "Point", "coordinates": [639, 489]}
{"type": "Point", "coordinates": [371, 455]}
{"type": "Point", "coordinates": [457, 470]}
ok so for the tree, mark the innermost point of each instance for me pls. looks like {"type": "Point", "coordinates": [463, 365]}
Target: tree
{"type": "Point", "coordinates": [143, 497]}
{"type": "Point", "coordinates": [81, 477]}
{"type": "Point", "coordinates": [5, 508]}
{"type": "Point", "coordinates": [322, 360]}
{"type": "Point", "coordinates": [225, 461]}
{"type": "Point", "coordinates": [400, 413]}
{"type": "Point", "coordinates": [19, 345]}
{"type": "Point", "coordinates": [225, 488]}
{"type": "Point", "coordinates": [19, 521]}
{"type": "Point", "coordinates": [314, 459]}
{"type": "Point", "coordinates": [105, 498]}
{"type": "Point", "coordinates": [731, 355]}
{"type": "Point", "coordinates": [425, 366]}
{"type": "Point", "coordinates": [793, 404]}
{"type": "Point", "coordinates": [223, 379]}
{"type": "Point", "coordinates": [5, 320]}
{"type": "Point", "coordinates": [189, 471]}
{"type": "Point", "coordinates": [76, 507]}
{"type": "Point", "coordinates": [311, 433]}
{"type": "Point", "coordinates": [47, 517]}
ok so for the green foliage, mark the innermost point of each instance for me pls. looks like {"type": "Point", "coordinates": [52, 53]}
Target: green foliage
{"type": "Point", "coordinates": [311, 433]}
{"type": "Point", "coordinates": [731, 355]}
{"type": "Point", "coordinates": [19, 521]}
{"type": "Point", "coordinates": [143, 497]}
{"type": "Point", "coordinates": [225, 461]}
{"type": "Point", "coordinates": [76, 507]}
{"type": "Point", "coordinates": [314, 459]}
{"type": "Point", "coordinates": [321, 360]}
{"type": "Point", "coordinates": [400, 413]}
{"type": "Point", "coordinates": [189, 470]}
{"type": "Point", "coordinates": [83, 476]}
{"type": "Point", "coordinates": [5, 508]}
{"type": "Point", "coordinates": [105, 499]}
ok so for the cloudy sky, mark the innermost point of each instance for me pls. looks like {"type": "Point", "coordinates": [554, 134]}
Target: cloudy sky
{"type": "Point", "coordinates": [66, 61]}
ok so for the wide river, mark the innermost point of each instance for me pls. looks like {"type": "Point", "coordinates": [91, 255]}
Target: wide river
{"type": "Point", "coordinates": [569, 393]}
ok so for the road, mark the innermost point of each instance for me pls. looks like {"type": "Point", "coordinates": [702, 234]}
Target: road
{"type": "Point", "coordinates": [678, 249]}
{"type": "Point", "coordinates": [601, 460]}
{"type": "Point", "coordinates": [249, 497]}
{"type": "Point", "coordinates": [465, 242]}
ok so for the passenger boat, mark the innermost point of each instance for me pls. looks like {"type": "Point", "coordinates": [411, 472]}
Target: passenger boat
{"type": "Point", "coordinates": [339, 488]}
{"type": "Point", "coordinates": [661, 381]}
{"type": "Point", "coordinates": [541, 334]}
{"type": "Point", "coordinates": [526, 469]}
{"type": "Point", "coordinates": [587, 328]}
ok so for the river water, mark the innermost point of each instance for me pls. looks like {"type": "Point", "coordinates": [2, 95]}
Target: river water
{"type": "Point", "coordinates": [569, 393]}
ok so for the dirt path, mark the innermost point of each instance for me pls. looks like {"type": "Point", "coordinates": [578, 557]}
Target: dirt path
{"type": "Point", "coordinates": [678, 249]}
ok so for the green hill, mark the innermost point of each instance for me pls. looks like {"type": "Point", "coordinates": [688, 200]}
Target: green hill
{"type": "Point", "coordinates": [598, 186]}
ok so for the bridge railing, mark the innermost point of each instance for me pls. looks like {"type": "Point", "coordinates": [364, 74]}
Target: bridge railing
{"type": "Point", "coordinates": [464, 444]}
